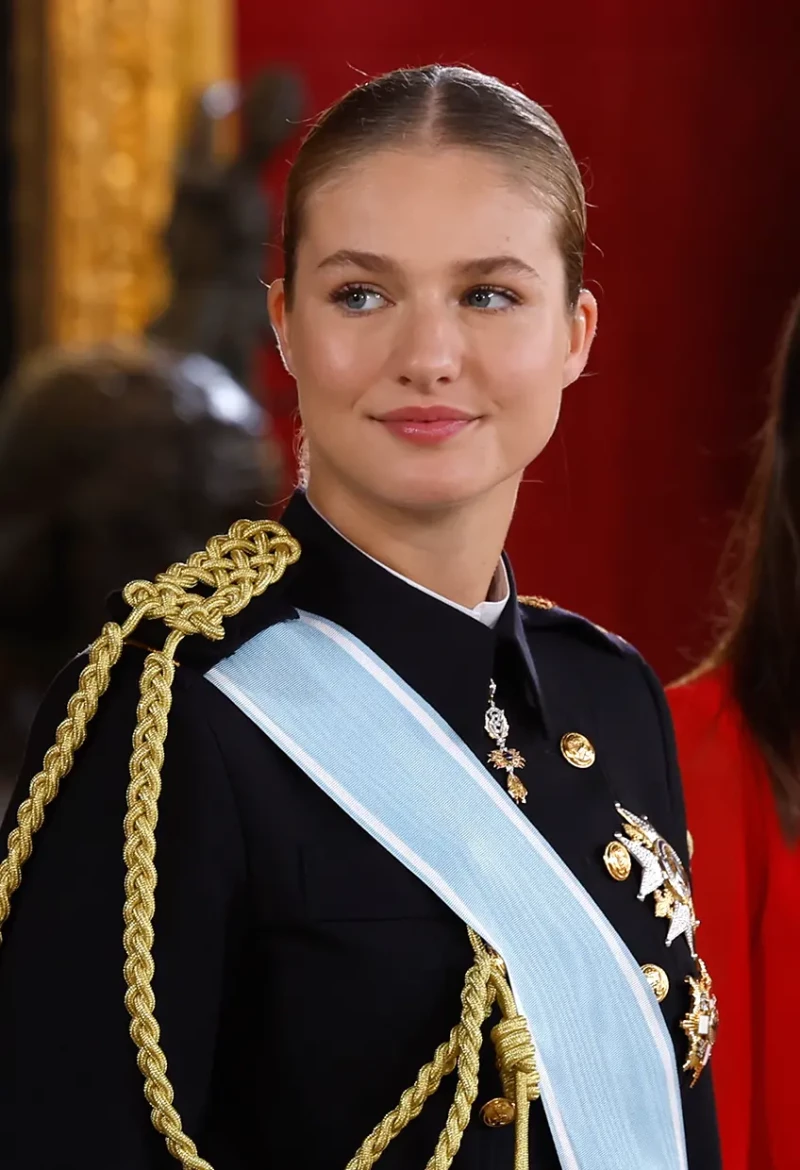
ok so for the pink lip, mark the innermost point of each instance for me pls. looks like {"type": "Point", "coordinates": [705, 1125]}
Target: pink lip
{"type": "Point", "coordinates": [426, 425]}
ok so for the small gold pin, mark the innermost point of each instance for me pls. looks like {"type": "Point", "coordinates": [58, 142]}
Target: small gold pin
{"type": "Point", "coordinates": [690, 844]}
{"type": "Point", "coordinates": [617, 861]}
{"type": "Point", "coordinates": [658, 980]}
{"type": "Point", "coordinates": [577, 750]}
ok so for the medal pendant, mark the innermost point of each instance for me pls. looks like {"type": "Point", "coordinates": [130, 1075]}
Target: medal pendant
{"type": "Point", "coordinates": [701, 1023]}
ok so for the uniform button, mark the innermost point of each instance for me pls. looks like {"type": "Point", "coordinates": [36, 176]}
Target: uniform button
{"type": "Point", "coordinates": [577, 750]}
{"type": "Point", "coordinates": [658, 980]}
{"type": "Point", "coordinates": [617, 861]}
{"type": "Point", "coordinates": [498, 1112]}
{"type": "Point", "coordinates": [690, 844]}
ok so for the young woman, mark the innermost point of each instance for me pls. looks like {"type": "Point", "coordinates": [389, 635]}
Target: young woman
{"type": "Point", "coordinates": [400, 807]}
{"type": "Point", "coordinates": [739, 740]}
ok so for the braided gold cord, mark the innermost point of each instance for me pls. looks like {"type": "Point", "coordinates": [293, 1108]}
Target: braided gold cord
{"type": "Point", "coordinates": [476, 1001]}
{"type": "Point", "coordinates": [430, 1076]}
{"type": "Point", "coordinates": [411, 1103]}
{"type": "Point", "coordinates": [516, 1061]}
{"type": "Point", "coordinates": [71, 733]}
{"type": "Point", "coordinates": [232, 570]}
{"type": "Point", "coordinates": [235, 568]}
{"type": "Point", "coordinates": [140, 884]}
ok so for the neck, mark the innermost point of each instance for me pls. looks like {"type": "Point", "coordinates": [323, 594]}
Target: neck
{"type": "Point", "coordinates": [452, 551]}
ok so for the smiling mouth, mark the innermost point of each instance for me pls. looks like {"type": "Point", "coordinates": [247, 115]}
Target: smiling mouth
{"type": "Point", "coordinates": [427, 425]}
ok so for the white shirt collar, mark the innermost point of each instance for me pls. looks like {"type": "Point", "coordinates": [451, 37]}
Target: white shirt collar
{"type": "Point", "coordinates": [485, 612]}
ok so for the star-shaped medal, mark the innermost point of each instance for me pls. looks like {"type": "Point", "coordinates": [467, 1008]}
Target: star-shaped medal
{"type": "Point", "coordinates": [663, 876]}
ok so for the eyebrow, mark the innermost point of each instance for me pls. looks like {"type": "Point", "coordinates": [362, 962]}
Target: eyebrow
{"type": "Point", "coordinates": [481, 266]}
{"type": "Point", "coordinates": [348, 257]}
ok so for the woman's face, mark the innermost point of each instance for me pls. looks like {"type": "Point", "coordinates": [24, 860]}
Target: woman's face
{"type": "Point", "coordinates": [429, 332]}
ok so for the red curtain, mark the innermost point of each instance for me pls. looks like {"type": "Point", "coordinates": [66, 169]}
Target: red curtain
{"type": "Point", "coordinates": [688, 122]}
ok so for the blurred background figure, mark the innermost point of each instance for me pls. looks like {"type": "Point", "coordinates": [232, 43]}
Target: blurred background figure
{"type": "Point", "coordinates": [134, 425]}
{"type": "Point", "coordinates": [220, 225]}
{"type": "Point", "coordinates": [114, 462]}
{"type": "Point", "coordinates": [737, 722]}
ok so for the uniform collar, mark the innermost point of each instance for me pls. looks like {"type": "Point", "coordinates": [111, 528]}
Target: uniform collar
{"type": "Point", "coordinates": [486, 612]}
{"type": "Point", "coordinates": [439, 649]}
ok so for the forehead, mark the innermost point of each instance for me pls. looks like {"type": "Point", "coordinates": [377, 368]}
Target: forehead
{"type": "Point", "coordinates": [414, 204]}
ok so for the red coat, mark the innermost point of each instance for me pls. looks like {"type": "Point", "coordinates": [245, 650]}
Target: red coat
{"type": "Point", "coordinates": [747, 892]}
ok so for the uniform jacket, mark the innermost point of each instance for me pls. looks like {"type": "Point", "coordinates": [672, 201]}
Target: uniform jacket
{"type": "Point", "coordinates": [303, 975]}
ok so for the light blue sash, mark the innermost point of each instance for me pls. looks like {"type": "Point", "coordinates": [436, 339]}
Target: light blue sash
{"type": "Point", "coordinates": [608, 1076]}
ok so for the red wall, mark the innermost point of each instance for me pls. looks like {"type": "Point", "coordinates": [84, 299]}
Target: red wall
{"type": "Point", "coordinates": [689, 125]}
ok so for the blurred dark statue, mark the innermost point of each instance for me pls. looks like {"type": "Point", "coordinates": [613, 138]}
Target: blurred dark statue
{"type": "Point", "coordinates": [113, 464]}
{"type": "Point", "coordinates": [221, 224]}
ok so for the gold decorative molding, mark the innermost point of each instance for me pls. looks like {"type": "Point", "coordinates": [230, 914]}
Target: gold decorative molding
{"type": "Point", "coordinates": [121, 75]}
{"type": "Point", "coordinates": [31, 197]}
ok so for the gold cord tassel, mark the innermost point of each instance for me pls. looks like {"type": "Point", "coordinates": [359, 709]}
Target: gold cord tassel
{"type": "Point", "coordinates": [516, 1061]}
{"type": "Point", "coordinates": [236, 568]}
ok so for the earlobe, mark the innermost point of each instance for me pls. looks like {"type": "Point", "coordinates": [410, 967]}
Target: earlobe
{"type": "Point", "coordinates": [276, 306]}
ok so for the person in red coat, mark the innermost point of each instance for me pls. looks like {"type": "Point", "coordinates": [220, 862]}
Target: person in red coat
{"type": "Point", "coordinates": [737, 724]}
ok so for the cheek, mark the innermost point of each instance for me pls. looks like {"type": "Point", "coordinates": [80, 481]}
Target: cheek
{"type": "Point", "coordinates": [527, 366]}
{"type": "Point", "coordinates": [336, 361]}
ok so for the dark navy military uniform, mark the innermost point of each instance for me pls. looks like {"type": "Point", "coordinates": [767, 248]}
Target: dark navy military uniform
{"type": "Point", "coordinates": [303, 975]}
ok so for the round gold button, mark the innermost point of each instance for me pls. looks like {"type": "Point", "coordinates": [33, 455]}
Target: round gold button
{"type": "Point", "coordinates": [690, 844]}
{"type": "Point", "coordinates": [577, 750]}
{"type": "Point", "coordinates": [498, 1112]}
{"type": "Point", "coordinates": [617, 861]}
{"type": "Point", "coordinates": [658, 980]}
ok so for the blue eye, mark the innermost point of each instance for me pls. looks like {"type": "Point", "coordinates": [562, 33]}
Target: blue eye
{"type": "Point", "coordinates": [358, 298]}
{"type": "Point", "coordinates": [486, 297]}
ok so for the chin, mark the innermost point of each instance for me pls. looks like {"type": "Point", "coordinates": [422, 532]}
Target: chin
{"type": "Point", "coordinates": [430, 492]}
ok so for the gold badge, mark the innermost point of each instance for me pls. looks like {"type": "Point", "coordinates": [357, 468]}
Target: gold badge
{"type": "Point", "coordinates": [663, 876]}
{"type": "Point", "coordinates": [658, 980]}
{"type": "Point", "coordinates": [577, 750]}
{"type": "Point", "coordinates": [617, 861]}
{"type": "Point", "coordinates": [701, 1023]}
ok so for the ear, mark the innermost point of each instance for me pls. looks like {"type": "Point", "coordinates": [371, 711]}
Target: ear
{"type": "Point", "coordinates": [279, 318]}
{"type": "Point", "coordinates": [583, 326]}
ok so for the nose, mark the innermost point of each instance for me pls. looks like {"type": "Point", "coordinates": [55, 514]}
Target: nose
{"type": "Point", "coordinates": [430, 349]}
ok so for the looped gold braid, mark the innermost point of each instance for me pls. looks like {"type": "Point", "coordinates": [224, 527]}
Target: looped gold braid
{"type": "Point", "coordinates": [236, 568]}
{"type": "Point", "coordinates": [516, 1057]}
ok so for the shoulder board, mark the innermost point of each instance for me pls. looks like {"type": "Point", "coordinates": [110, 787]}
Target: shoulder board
{"type": "Point", "coordinates": [541, 613]}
